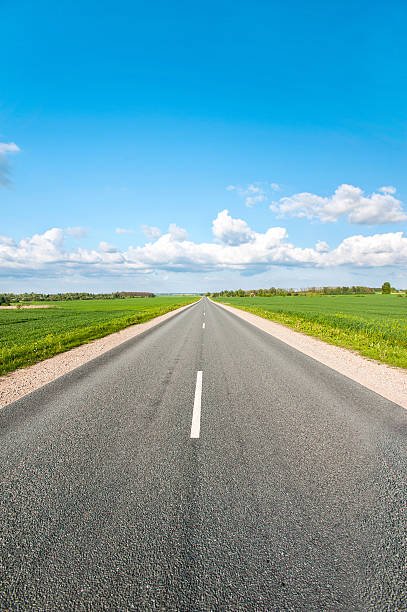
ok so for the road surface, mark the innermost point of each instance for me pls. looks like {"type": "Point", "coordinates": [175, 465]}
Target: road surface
{"type": "Point", "coordinates": [204, 465]}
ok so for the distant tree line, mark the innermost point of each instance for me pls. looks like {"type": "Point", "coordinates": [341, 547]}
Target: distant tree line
{"type": "Point", "coordinates": [8, 298]}
{"type": "Point", "coordinates": [273, 291]}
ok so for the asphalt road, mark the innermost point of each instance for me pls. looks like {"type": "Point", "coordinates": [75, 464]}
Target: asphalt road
{"type": "Point", "coordinates": [292, 497]}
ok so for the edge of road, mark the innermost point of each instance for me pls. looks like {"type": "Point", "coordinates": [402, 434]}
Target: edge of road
{"type": "Point", "coordinates": [385, 380]}
{"type": "Point", "coordinates": [24, 381]}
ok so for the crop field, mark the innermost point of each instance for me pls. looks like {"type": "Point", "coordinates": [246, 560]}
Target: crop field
{"type": "Point", "coordinates": [373, 325]}
{"type": "Point", "coordinates": [30, 335]}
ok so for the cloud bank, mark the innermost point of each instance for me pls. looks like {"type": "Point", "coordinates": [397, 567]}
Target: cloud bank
{"type": "Point", "coordinates": [347, 201]}
{"type": "Point", "coordinates": [235, 247]}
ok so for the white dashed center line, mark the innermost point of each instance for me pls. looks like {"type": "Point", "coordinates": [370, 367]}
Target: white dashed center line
{"type": "Point", "coordinates": [203, 325]}
{"type": "Point", "coordinates": [196, 414]}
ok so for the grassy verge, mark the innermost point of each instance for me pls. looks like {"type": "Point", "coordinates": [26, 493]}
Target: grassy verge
{"type": "Point", "coordinates": [384, 341]}
{"type": "Point", "coordinates": [28, 353]}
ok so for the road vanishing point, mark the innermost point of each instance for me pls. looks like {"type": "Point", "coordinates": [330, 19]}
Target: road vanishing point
{"type": "Point", "coordinates": [203, 465]}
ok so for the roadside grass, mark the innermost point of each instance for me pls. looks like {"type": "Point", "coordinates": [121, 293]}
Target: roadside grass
{"type": "Point", "coordinates": [29, 336]}
{"type": "Point", "coordinates": [375, 326]}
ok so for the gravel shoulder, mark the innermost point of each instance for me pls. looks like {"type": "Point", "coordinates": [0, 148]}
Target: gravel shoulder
{"type": "Point", "coordinates": [17, 384]}
{"type": "Point", "coordinates": [27, 307]}
{"type": "Point", "coordinates": [387, 381]}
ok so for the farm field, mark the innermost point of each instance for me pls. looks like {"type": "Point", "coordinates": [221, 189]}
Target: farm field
{"type": "Point", "coordinates": [373, 325]}
{"type": "Point", "coordinates": [31, 335]}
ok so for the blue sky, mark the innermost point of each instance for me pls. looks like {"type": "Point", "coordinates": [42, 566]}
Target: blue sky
{"type": "Point", "coordinates": [131, 116]}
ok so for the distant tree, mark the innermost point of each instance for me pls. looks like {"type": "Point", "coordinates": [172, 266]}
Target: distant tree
{"type": "Point", "coordinates": [386, 288]}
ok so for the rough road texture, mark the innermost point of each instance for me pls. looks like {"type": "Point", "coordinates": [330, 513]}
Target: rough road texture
{"type": "Point", "coordinates": [21, 382]}
{"type": "Point", "coordinates": [293, 498]}
{"type": "Point", "coordinates": [386, 380]}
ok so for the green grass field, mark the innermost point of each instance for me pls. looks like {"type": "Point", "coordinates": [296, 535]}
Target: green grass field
{"type": "Point", "coordinates": [373, 325]}
{"type": "Point", "coordinates": [30, 335]}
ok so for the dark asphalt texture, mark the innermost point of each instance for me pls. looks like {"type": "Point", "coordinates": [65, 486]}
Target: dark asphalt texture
{"type": "Point", "coordinates": [293, 498]}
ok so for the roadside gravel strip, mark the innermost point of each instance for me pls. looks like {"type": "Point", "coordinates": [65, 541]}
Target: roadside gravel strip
{"type": "Point", "coordinates": [21, 382]}
{"type": "Point", "coordinates": [387, 381]}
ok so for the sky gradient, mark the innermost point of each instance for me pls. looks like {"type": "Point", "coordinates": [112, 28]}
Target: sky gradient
{"type": "Point", "coordinates": [193, 147]}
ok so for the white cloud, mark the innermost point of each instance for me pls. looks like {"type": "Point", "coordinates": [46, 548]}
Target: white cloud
{"type": "Point", "coordinates": [235, 247]}
{"type": "Point", "coordinates": [5, 148]}
{"type": "Point", "coordinates": [322, 247]}
{"type": "Point", "coordinates": [177, 234]}
{"type": "Point", "coordinates": [41, 247]}
{"type": "Point", "coordinates": [151, 232]}
{"type": "Point", "coordinates": [252, 200]}
{"type": "Point", "coordinates": [371, 251]}
{"type": "Point", "coordinates": [388, 189]}
{"type": "Point", "coordinates": [106, 247]}
{"type": "Point", "coordinates": [254, 193]}
{"type": "Point", "coordinates": [231, 231]}
{"type": "Point", "coordinates": [347, 201]}
{"type": "Point", "coordinates": [7, 241]}
{"type": "Point", "coordinates": [76, 232]}
{"type": "Point", "coordinates": [10, 147]}
{"type": "Point", "coordinates": [122, 230]}
{"type": "Point", "coordinates": [254, 189]}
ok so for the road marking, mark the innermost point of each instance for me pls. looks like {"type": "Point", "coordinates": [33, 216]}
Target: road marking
{"type": "Point", "coordinates": [204, 313]}
{"type": "Point", "coordinates": [203, 325]}
{"type": "Point", "coordinates": [196, 414]}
